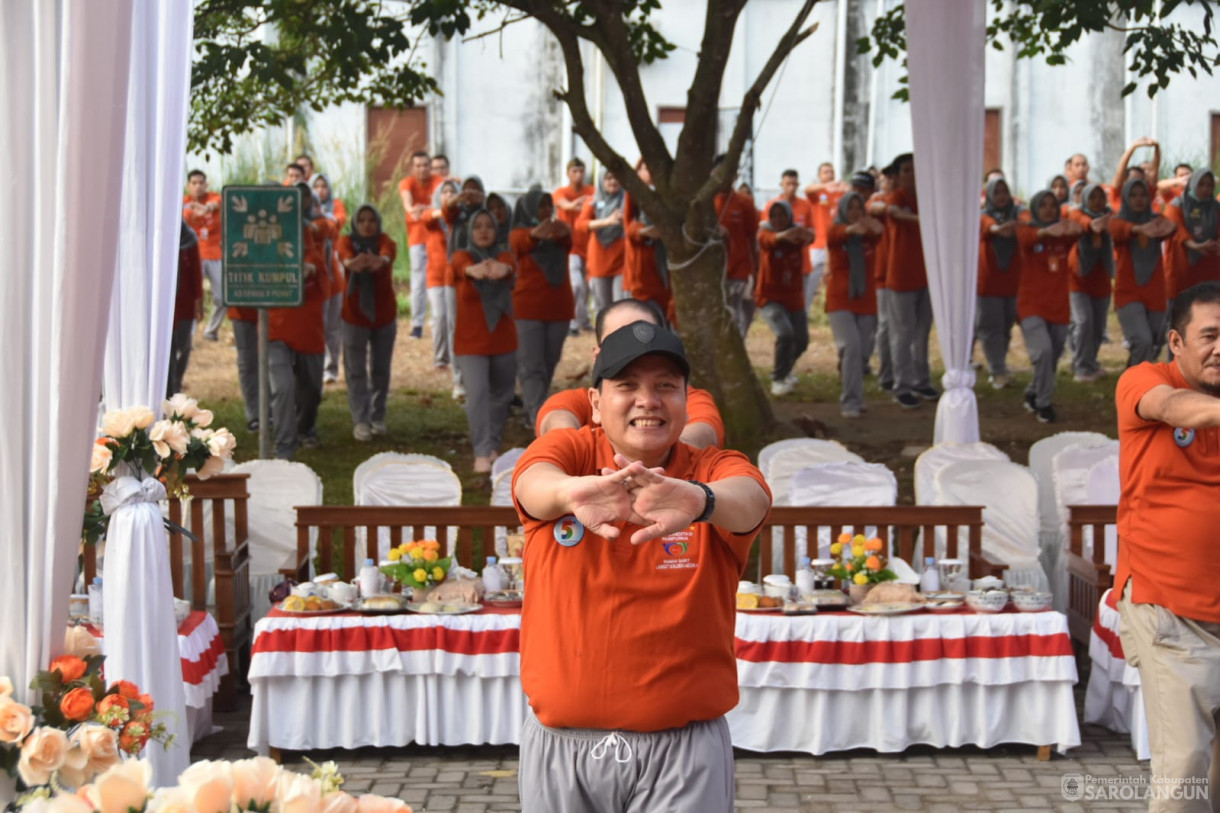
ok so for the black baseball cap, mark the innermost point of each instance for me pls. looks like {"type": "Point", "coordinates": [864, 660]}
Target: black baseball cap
{"type": "Point", "coordinates": [634, 341]}
{"type": "Point", "coordinates": [863, 178]}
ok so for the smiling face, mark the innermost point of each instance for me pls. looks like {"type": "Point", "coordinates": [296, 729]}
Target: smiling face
{"type": "Point", "coordinates": [483, 230]}
{"type": "Point", "coordinates": [440, 167]}
{"type": "Point", "coordinates": [366, 223]}
{"type": "Point", "coordinates": [1197, 353]}
{"type": "Point", "coordinates": [643, 408]}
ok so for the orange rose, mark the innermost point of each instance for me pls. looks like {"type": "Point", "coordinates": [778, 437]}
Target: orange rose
{"type": "Point", "coordinates": [133, 737]}
{"type": "Point", "coordinates": [69, 667]}
{"type": "Point", "coordinates": [127, 689]}
{"type": "Point", "coordinates": [844, 539]}
{"type": "Point", "coordinates": [77, 704]}
{"type": "Point", "coordinates": [111, 701]}
{"type": "Point", "coordinates": [874, 544]}
{"type": "Point", "coordinates": [849, 566]}
{"type": "Point", "coordinates": [146, 701]}
{"type": "Point", "coordinates": [872, 563]}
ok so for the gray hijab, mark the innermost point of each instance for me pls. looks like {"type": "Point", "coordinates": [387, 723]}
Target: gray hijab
{"type": "Point", "coordinates": [1035, 202]}
{"type": "Point", "coordinates": [857, 265]}
{"type": "Point", "coordinates": [457, 231]}
{"type": "Point", "coordinates": [495, 294]}
{"type": "Point", "coordinates": [658, 247]}
{"type": "Point", "coordinates": [365, 284]}
{"type": "Point", "coordinates": [1005, 247]}
{"type": "Point", "coordinates": [604, 205]}
{"type": "Point", "coordinates": [1094, 247]}
{"type": "Point", "coordinates": [1144, 257]}
{"type": "Point", "coordinates": [551, 257]}
{"type": "Point", "coordinates": [1202, 217]}
{"type": "Point", "coordinates": [766, 224]}
{"type": "Point", "coordinates": [327, 207]}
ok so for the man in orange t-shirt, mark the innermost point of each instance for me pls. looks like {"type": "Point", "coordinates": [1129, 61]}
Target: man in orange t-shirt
{"type": "Point", "coordinates": [1169, 464]}
{"type": "Point", "coordinates": [416, 191]}
{"type": "Point", "coordinates": [823, 197]}
{"type": "Point", "coordinates": [634, 545]}
{"type": "Point", "coordinates": [201, 211]}
{"type": "Point", "coordinates": [569, 200]}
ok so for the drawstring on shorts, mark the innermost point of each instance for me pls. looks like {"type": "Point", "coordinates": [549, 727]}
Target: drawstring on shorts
{"type": "Point", "coordinates": [620, 746]}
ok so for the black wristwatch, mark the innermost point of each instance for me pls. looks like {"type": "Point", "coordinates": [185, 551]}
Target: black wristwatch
{"type": "Point", "coordinates": [709, 507]}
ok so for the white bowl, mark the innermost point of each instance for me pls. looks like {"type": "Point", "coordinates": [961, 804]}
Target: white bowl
{"type": "Point", "coordinates": [1031, 602]}
{"type": "Point", "coordinates": [986, 601]}
{"type": "Point", "coordinates": [988, 583]}
{"type": "Point", "coordinates": [749, 588]}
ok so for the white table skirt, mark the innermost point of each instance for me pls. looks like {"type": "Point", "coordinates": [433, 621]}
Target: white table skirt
{"type": "Point", "coordinates": [1114, 698]}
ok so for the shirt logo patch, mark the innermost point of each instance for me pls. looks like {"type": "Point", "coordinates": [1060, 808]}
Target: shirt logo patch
{"type": "Point", "coordinates": [1183, 437]}
{"type": "Point", "coordinates": [675, 548]}
{"type": "Point", "coordinates": [568, 531]}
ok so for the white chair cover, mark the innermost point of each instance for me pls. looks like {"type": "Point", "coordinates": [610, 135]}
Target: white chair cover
{"type": "Point", "coordinates": [1070, 472]}
{"type": "Point", "coordinates": [276, 488]}
{"type": "Point", "coordinates": [930, 463]}
{"type": "Point", "coordinates": [782, 463]}
{"type": "Point", "coordinates": [1102, 488]}
{"type": "Point", "coordinates": [844, 483]}
{"type": "Point", "coordinates": [1041, 462]}
{"type": "Point", "coordinates": [1009, 495]}
{"type": "Point", "coordinates": [506, 462]}
{"type": "Point", "coordinates": [502, 494]}
{"type": "Point", "coordinates": [393, 478]}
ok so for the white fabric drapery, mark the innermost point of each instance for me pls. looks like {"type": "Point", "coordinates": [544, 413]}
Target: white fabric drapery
{"type": "Point", "coordinates": [61, 147]}
{"type": "Point", "coordinates": [945, 57]}
{"type": "Point", "coordinates": [141, 636]}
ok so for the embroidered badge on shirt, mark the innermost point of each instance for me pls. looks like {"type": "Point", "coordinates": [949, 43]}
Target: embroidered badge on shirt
{"type": "Point", "coordinates": [1183, 437]}
{"type": "Point", "coordinates": [568, 531]}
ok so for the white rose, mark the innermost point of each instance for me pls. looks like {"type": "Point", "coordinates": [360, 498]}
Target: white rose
{"type": "Point", "coordinates": [141, 416]}
{"type": "Point", "coordinates": [202, 434]}
{"type": "Point", "coordinates": [208, 786]}
{"type": "Point", "coordinates": [379, 804]}
{"type": "Point", "coordinates": [100, 745]}
{"type": "Point", "coordinates": [120, 789]}
{"type": "Point", "coordinates": [118, 423]}
{"type": "Point", "coordinates": [42, 754]}
{"type": "Point", "coordinates": [211, 467]}
{"type": "Point", "coordinates": [339, 802]}
{"type": "Point", "coordinates": [100, 461]}
{"type": "Point", "coordinates": [203, 418]}
{"type": "Point", "coordinates": [254, 781]}
{"type": "Point", "coordinates": [80, 642]}
{"type": "Point", "coordinates": [6, 687]}
{"type": "Point", "coordinates": [157, 436]}
{"type": "Point", "coordinates": [222, 443]}
{"type": "Point", "coordinates": [66, 803]}
{"type": "Point", "coordinates": [180, 406]}
{"type": "Point", "coordinates": [178, 437]}
{"type": "Point", "coordinates": [16, 720]}
{"type": "Point", "coordinates": [297, 793]}
{"type": "Point", "coordinates": [173, 405]}
{"type": "Point", "coordinates": [170, 800]}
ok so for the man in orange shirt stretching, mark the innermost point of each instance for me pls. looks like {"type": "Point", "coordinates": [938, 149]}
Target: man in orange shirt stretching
{"type": "Point", "coordinates": [1169, 465]}
{"type": "Point", "coordinates": [634, 544]}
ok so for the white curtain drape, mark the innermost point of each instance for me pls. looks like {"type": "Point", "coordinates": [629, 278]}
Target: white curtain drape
{"type": "Point", "coordinates": [141, 637]}
{"type": "Point", "coordinates": [945, 52]}
{"type": "Point", "coordinates": [61, 150]}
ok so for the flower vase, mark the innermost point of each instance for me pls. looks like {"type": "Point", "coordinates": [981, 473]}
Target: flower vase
{"type": "Point", "coordinates": [858, 592]}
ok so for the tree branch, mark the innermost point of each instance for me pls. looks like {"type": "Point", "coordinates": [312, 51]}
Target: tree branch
{"type": "Point", "coordinates": [793, 37]}
{"type": "Point", "coordinates": [508, 20]}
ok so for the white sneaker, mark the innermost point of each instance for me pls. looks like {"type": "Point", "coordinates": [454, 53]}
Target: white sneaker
{"type": "Point", "coordinates": [850, 413]}
{"type": "Point", "coordinates": [784, 387]}
{"type": "Point", "coordinates": [362, 432]}
{"type": "Point", "coordinates": [1000, 381]}
{"type": "Point", "coordinates": [792, 379]}
{"type": "Point", "coordinates": [459, 392]}
{"type": "Point", "coordinates": [378, 428]}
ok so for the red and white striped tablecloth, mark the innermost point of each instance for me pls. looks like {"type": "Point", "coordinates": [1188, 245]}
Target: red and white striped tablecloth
{"type": "Point", "coordinates": [1114, 698]}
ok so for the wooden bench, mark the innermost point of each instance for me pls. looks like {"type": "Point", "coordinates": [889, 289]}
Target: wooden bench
{"type": "Point", "coordinates": [230, 567]}
{"type": "Point", "coordinates": [902, 524]}
{"type": "Point", "coordinates": [1088, 578]}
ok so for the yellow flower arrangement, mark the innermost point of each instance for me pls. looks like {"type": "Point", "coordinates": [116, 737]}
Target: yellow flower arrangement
{"type": "Point", "coordinates": [418, 564]}
{"type": "Point", "coordinates": [862, 560]}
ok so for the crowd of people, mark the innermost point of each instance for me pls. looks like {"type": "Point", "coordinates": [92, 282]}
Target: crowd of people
{"type": "Point", "coordinates": [506, 284]}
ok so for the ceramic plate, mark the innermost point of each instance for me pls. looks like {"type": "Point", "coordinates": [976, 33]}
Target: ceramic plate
{"type": "Point", "coordinates": [760, 610]}
{"type": "Point", "coordinates": [945, 607]}
{"type": "Point", "coordinates": [888, 608]}
{"type": "Point", "coordinates": [459, 609]}
{"type": "Point", "coordinates": [339, 609]}
{"type": "Point", "coordinates": [359, 607]}
{"type": "Point", "coordinates": [504, 598]}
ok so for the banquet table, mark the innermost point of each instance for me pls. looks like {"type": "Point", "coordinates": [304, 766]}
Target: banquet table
{"type": "Point", "coordinates": [817, 683]}
{"type": "Point", "coordinates": [204, 663]}
{"type": "Point", "coordinates": [1113, 697]}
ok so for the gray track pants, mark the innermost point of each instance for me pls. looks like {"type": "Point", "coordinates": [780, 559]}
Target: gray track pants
{"type": "Point", "coordinates": [580, 289]}
{"type": "Point", "coordinates": [442, 345]}
{"type": "Point", "coordinates": [539, 348]}
{"type": "Point", "coordinates": [910, 326]}
{"type": "Point", "coordinates": [853, 334]}
{"type": "Point", "coordinates": [296, 391]}
{"type": "Point", "coordinates": [214, 271]}
{"type": "Point", "coordinates": [1144, 331]}
{"type": "Point", "coordinates": [1044, 341]}
{"type": "Point", "coordinates": [885, 356]}
{"type": "Point", "coordinates": [993, 326]}
{"type": "Point", "coordinates": [419, 284]}
{"type": "Point", "coordinates": [605, 290]}
{"type": "Point", "coordinates": [1087, 328]}
{"type": "Point", "coordinates": [489, 382]}
{"type": "Point", "coordinates": [179, 355]}
{"type": "Point", "coordinates": [331, 319]}
{"type": "Point", "coordinates": [245, 336]}
{"type": "Point", "coordinates": [739, 294]}
{"type": "Point", "coordinates": [368, 354]}
{"type": "Point", "coordinates": [791, 329]}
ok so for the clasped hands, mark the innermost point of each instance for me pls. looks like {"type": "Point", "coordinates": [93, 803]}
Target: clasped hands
{"type": "Point", "coordinates": [636, 494]}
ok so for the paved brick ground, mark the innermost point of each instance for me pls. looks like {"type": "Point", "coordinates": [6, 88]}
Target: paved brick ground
{"type": "Point", "coordinates": [1010, 778]}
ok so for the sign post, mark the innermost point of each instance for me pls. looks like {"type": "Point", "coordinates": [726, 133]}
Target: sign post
{"type": "Point", "coordinates": [263, 268]}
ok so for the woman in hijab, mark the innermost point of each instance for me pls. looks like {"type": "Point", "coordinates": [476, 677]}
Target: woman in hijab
{"type": "Point", "coordinates": [499, 208]}
{"type": "Point", "coordinates": [1139, 276]}
{"type": "Point", "coordinates": [602, 218]}
{"type": "Point", "coordinates": [370, 321]}
{"type": "Point", "coordinates": [999, 276]}
{"type": "Point", "coordinates": [1194, 248]}
{"type": "Point", "coordinates": [780, 291]}
{"type": "Point", "coordinates": [329, 207]}
{"type": "Point", "coordinates": [1042, 297]}
{"type": "Point", "coordinates": [646, 265]}
{"type": "Point", "coordinates": [188, 307]}
{"type": "Point", "coordinates": [1058, 184]}
{"type": "Point", "coordinates": [1091, 269]}
{"type": "Point", "coordinates": [485, 342]}
{"type": "Point", "coordinates": [438, 261]}
{"type": "Point", "coordinates": [851, 294]}
{"type": "Point", "coordinates": [543, 304]}
{"type": "Point", "coordinates": [1076, 195]}
{"type": "Point", "coordinates": [459, 210]}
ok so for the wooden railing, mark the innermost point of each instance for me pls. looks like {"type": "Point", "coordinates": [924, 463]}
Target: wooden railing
{"type": "Point", "coordinates": [230, 567]}
{"type": "Point", "coordinates": [903, 525]}
{"type": "Point", "coordinates": [1088, 578]}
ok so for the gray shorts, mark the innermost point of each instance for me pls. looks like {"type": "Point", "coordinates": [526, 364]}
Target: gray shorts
{"type": "Point", "coordinates": [576, 770]}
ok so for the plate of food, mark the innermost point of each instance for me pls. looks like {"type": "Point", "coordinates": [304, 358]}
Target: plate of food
{"type": "Point", "coordinates": [388, 604]}
{"type": "Point", "coordinates": [313, 605]}
{"type": "Point", "coordinates": [886, 608]}
{"type": "Point", "coordinates": [800, 608]}
{"type": "Point", "coordinates": [828, 599]}
{"type": "Point", "coordinates": [753, 603]}
{"type": "Point", "coordinates": [443, 608]}
{"type": "Point", "coordinates": [504, 598]}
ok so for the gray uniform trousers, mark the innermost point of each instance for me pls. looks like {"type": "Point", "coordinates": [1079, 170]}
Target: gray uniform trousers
{"type": "Point", "coordinates": [606, 290]}
{"type": "Point", "coordinates": [739, 294]}
{"type": "Point", "coordinates": [245, 336]}
{"type": "Point", "coordinates": [993, 327]}
{"type": "Point", "coordinates": [331, 317]}
{"type": "Point", "coordinates": [179, 355]}
{"type": "Point", "coordinates": [539, 348]}
{"type": "Point", "coordinates": [1144, 331]}
{"type": "Point", "coordinates": [580, 289]}
{"type": "Point", "coordinates": [1044, 341]}
{"type": "Point", "coordinates": [910, 326]}
{"type": "Point", "coordinates": [296, 391]}
{"type": "Point", "coordinates": [489, 382]}
{"type": "Point", "coordinates": [885, 357]}
{"type": "Point", "coordinates": [451, 317]}
{"type": "Point", "coordinates": [853, 334]}
{"type": "Point", "coordinates": [442, 354]}
{"type": "Point", "coordinates": [214, 271]}
{"type": "Point", "coordinates": [419, 284]}
{"type": "Point", "coordinates": [1086, 331]}
{"type": "Point", "coordinates": [367, 356]}
{"type": "Point", "coordinates": [791, 329]}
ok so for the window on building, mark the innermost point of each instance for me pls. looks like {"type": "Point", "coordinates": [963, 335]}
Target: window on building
{"type": "Point", "coordinates": [993, 144]}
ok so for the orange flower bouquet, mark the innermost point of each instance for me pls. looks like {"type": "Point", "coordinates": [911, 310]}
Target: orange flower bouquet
{"type": "Point", "coordinates": [861, 560]}
{"type": "Point", "coordinates": [418, 564]}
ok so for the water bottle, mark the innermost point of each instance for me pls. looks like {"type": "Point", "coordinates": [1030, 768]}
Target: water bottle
{"type": "Point", "coordinates": [493, 577]}
{"type": "Point", "coordinates": [95, 600]}
{"type": "Point", "coordinates": [929, 582]}
{"type": "Point", "coordinates": [370, 579]}
{"type": "Point", "coordinates": [804, 576]}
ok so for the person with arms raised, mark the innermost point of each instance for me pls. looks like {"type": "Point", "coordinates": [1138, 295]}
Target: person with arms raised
{"type": "Point", "coordinates": [779, 293]}
{"type": "Point", "coordinates": [1139, 278]}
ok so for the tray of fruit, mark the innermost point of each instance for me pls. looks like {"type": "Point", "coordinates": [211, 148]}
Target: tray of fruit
{"type": "Point", "coordinates": [311, 605]}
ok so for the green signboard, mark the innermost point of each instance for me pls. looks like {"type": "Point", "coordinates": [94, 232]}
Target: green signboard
{"type": "Point", "coordinates": [263, 249]}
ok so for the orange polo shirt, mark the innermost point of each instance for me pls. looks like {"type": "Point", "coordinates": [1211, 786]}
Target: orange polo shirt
{"type": "Point", "coordinates": [1126, 290]}
{"type": "Point", "coordinates": [567, 194]}
{"type": "Point", "coordinates": [302, 328]}
{"type": "Point", "coordinates": [207, 227]}
{"type": "Point", "coordinates": [1167, 511]}
{"type": "Point", "coordinates": [622, 636]}
{"type": "Point", "coordinates": [417, 228]}
{"type": "Point", "coordinates": [641, 275]}
{"type": "Point", "coordinates": [779, 272]}
{"type": "Point", "coordinates": [471, 336]}
{"type": "Point", "coordinates": [387, 303]}
{"type": "Point", "coordinates": [1043, 291]}
{"type": "Point", "coordinates": [1096, 284]}
{"type": "Point", "coordinates": [838, 274]}
{"type": "Point", "coordinates": [905, 270]}
{"type": "Point", "coordinates": [802, 215]}
{"type": "Point", "coordinates": [824, 207]}
{"type": "Point", "coordinates": [993, 280]}
{"type": "Point", "coordinates": [601, 261]}
{"type": "Point", "coordinates": [741, 222]}
{"type": "Point", "coordinates": [534, 297]}
{"type": "Point", "coordinates": [700, 408]}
